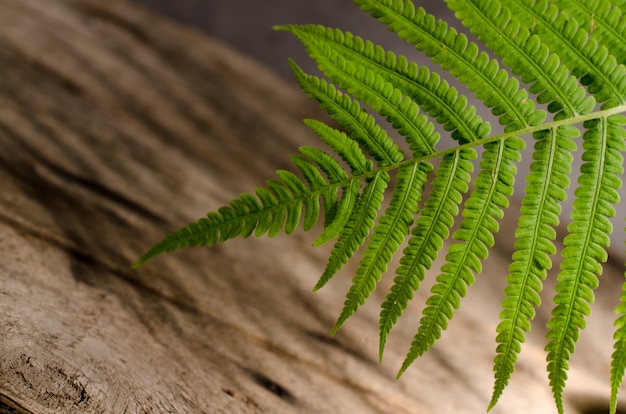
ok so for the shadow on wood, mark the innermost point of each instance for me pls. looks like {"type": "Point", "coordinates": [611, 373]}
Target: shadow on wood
{"type": "Point", "coordinates": [117, 126]}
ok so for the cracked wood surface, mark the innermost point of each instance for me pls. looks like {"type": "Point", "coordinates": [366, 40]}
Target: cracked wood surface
{"type": "Point", "coordinates": [117, 126]}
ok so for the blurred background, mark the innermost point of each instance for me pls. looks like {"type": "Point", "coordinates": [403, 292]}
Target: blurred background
{"type": "Point", "coordinates": [247, 24]}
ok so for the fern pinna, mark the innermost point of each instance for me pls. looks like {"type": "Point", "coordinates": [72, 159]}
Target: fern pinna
{"type": "Point", "coordinates": [567, 56]}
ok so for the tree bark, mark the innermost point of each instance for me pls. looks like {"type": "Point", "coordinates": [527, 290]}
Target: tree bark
{"type": "Point", "coordinates": [116, 127]}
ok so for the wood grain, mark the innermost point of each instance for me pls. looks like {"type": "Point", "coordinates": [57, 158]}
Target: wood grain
{"type": "Point", "coordinates": [117, 126]}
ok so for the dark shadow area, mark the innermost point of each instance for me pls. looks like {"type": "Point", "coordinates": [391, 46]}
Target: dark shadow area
{"type": "Point", "coordinates": [600, 409]}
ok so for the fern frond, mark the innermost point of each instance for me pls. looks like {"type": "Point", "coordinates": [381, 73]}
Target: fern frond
{"type": "Point", "coordinates": [547, 181]}
{"type": "Point", "coordinates": [482, 211]}
{"type": "Point", "coordinates": [585, 245]}
{"type": "Point", "coordinates": [566, 55]}
{"type": "Point", "coordinates": [618, 359]}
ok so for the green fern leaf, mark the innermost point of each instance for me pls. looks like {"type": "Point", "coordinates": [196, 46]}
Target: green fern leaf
{"type": "Point", "coordinates": [536, 231]}
{"type": "Point", "coordinates": [585, 245]}
{"type": "Point", "coordinates": [618, 360]}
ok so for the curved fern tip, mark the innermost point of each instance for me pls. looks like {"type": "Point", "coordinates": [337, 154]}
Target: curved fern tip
{"type": "Point", "coordinates": [402, 370]}
{"type": "Point", "coordinates": [150, 254]}
{"type": "Point", "coordinates": [138, 263]}
{"type": "Point", "coordinates": [335, 329]}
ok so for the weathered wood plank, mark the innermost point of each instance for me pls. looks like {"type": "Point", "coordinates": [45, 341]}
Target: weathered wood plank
{"type": "Point", "coordinates": [117, 126]}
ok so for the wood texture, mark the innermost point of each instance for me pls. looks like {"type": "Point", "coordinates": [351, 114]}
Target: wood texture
{"type": "Point", "coordinates": [117, 126]}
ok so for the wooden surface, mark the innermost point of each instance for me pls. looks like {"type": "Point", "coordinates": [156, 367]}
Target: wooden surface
{"type": "Point", "coordinates": [116, 127]}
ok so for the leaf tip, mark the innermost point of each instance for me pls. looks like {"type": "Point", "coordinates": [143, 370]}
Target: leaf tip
{"type": "Point", "coordinates": [336, 328]}
{"type": "Point", "coordinates": [282, 28]}
{"type": "Point", "coordinates": [147, 256]}
{"type": "Point", "coordinates": [381, 351]}
{"type": "Point", "coordinates": [340, 321]}
{"type": "Point", "coordinates": [137, 264]}
{"type": "Point", "coordinates": [401, 371]}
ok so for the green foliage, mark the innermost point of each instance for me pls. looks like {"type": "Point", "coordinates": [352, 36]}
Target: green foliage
{"type": "Point", "coordinates": [567, 56]}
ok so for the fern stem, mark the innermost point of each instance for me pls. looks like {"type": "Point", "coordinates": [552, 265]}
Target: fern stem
{"type": "Point", "coordinates": [174, 241]}
{"type": "Point", "coordinates": [577, 119]}
{"type": "Point", "coordinates": [602, 114]}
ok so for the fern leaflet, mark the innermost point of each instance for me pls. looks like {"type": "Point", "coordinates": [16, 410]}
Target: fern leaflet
{"type": "Point", "coordinates": [585, 246]}
{"type": "Point", "coordinates": [618, 360]}
{"type": "Point", "coordinates": [536, 231]}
